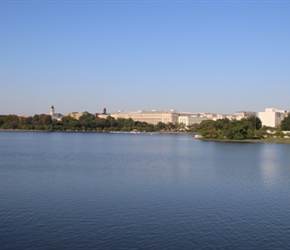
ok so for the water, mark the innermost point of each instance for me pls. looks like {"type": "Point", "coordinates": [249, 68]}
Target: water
{"type": "Point", "coordinates": [141, 191]}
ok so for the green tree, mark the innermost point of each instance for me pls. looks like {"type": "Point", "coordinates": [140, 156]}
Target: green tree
{"type": "Point", "coordinates": [35, 121]}
{"type": "Point", "coordinates": [87, 121]}
{"type": "Point", "coordinates": [194, 127]}
{"type": "Point", "coordinates": [45, 119]}
{"type": "Point", "coordinates": [237, 132]}
{"type": "Point", "coordinates": [110, 122]}
{"type": "Point", "coordinates": [160, 126]}
{"type": "Point", "coordinates": [255, 121]}
{"type": "Point", "coordinates": [170, 126]}
{"type": "Point", "coordinates": [285, 124]}
{"type": "Point", "coordinates": [10, 122]}
{"type": "Point", "coordinates": [100, 124]}
{"type": "Point", "coordinates": [70, 123]}
{"type": "Point", "coordinates": [57, 125]}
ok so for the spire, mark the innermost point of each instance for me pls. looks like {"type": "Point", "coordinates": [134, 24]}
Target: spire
{"type": "Point", "coordinates": [51, 111]}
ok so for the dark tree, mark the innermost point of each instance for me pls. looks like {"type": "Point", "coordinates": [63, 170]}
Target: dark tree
{"type": "Point", "coordinates": [285, 124]}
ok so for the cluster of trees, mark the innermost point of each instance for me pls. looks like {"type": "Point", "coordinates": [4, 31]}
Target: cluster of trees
{"type": "Point", "coordinates": [285, 124]}
{"type": "Point", "coordinates": [37, 122]}
{"type": "Point", "coordinates": [247, 128]}
{"type": "Point", "coordinates": [87, 122]}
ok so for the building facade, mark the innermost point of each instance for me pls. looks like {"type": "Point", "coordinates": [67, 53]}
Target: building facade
{"type": "Point", "coordinates": [77, 115]}
{"type": "Point", "coordinates": [55, 116]}
{"type": "Point", "coordinates": [151, 117]}
{"type": "Point", "coordinates": [103, 115]}
{"type": "Point", "coordinates": [193, 119]}
{"type": "Point", "coordinates": [244, 114]}
{"type": "Point", "coordinates": [272, 117]}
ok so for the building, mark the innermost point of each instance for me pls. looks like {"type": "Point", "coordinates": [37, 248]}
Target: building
{"type": "Point", "coordinates": [77, 115]}
{"type": "Point", "coordinates": [245, 114]}
{"type": "Point", "coordinates": [193, 119]}
{"type": "Point", "coordinates": [55, 116]}
{"type": "Point", "coordinates": [197, 118]}
{"type": "Point", "coordinates": [272, 117]}
{"type": "Point", "coordinates": [151, 117]}
{"type": "Point", "coordinates": [103, 115]}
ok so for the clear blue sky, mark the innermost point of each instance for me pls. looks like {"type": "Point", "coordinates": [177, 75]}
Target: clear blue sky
{"type": "Point", "coordinates": [199, 56]}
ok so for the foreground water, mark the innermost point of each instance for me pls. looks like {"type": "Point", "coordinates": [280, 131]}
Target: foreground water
{"type": "Point", "coordinates": [141, 191]}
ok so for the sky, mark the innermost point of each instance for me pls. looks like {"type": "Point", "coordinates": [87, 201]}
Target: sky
{"type": "Point", "coordinates": [191, 56]}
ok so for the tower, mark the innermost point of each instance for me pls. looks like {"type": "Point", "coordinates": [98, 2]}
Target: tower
{"type": "Point", "coordinates": [51, 111]}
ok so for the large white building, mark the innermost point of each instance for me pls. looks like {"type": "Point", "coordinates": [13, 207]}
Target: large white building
{"type": "Point", "coordinates": [272, 117]}
{"type": "Point", "coordinates": [197, 118]}
{"type": "Point", "coordinates": [151, 117]}
{"type": "Point", "coordinates": [155, 116]}
{"type": "Point", "coordinates": [192, 119]}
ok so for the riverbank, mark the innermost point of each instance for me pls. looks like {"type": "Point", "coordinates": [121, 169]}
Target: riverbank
{"type": "Point", "coordinates": [23, 130]}
{"type": "Point", "coordinates": [68, 131]}
{"type": "Point", "coordinates": [266, 140]}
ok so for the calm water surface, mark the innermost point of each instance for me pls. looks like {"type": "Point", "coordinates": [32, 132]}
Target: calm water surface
{"type": "Point", "coordinates": [141, 191]}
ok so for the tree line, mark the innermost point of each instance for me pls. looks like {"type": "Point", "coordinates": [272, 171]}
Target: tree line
{"type": "Point", "coordinates": [87, 122]}
{"type": "Point", "coordinates": [247, 128]}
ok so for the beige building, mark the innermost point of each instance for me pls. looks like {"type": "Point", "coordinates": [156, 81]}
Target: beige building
{"type": "Point", "coordinates": [77, 115]}
{"type": "Point", "coordinates": [151, 117]}
{"type": "Point", "coordinates": [272, 117]}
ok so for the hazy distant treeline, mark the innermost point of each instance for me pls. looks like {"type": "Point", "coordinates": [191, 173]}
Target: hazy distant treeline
{"type": "Point", "coordinates": [87, 122]}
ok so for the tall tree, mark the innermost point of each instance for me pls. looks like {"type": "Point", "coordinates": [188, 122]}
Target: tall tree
{"type": "Point", "coordinates": [11, 122]}
{"type": "Point", "coordinates": [285, 124]}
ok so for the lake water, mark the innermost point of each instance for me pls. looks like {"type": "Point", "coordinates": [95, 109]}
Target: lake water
{"type": "Point", "coordinates": [141, 191]}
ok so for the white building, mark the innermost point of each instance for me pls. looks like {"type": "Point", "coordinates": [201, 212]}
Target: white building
{"type": "Point", "coordinates": [244, 114]}
{"type": "Point", "coordinates": [55, 116]}
{"type": "Point", "coordinates": [272, 117]}
{"type": "Point", "coordinates": [192, 119]}
{"type": "Point", "coordinates": [197, 118]}
{"type": "Point", "coordinates": [151, 117]}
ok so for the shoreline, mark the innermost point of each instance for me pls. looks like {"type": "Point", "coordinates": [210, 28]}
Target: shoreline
{"type": "Point", "coordinates": [267, 140]}
{"type": "Point", "coordinates": [99, 132]}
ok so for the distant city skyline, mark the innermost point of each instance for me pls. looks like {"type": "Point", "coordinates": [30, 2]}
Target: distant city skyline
{"type": "Point", "coordinates": [212, 56]}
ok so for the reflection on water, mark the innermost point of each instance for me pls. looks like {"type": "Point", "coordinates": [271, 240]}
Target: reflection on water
{"type": "Point", "coordinates": [268, 163]}
{"type": "Point", "coordinates": [120, 191]}
{"type": "Point", "coordinates": [274, 159]}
